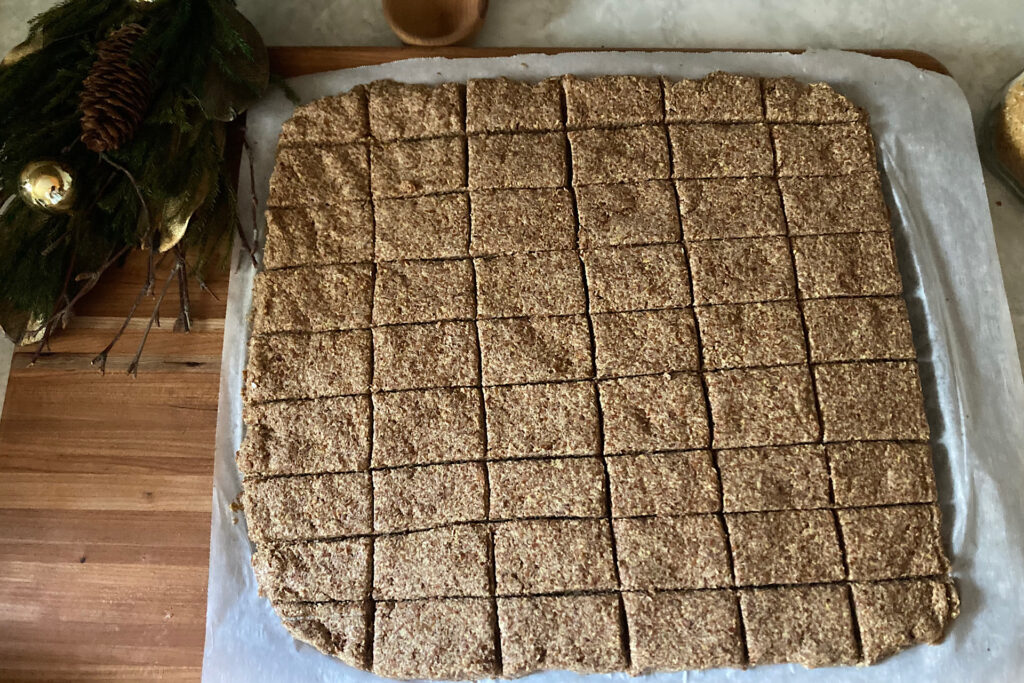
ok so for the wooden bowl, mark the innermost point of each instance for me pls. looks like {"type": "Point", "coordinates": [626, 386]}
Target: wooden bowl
{"type": "Point", "coordinates": [433, 23]}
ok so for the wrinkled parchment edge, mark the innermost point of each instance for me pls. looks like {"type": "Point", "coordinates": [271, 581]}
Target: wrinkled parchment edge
{"type": "Point", "coordinates": [970, 368]}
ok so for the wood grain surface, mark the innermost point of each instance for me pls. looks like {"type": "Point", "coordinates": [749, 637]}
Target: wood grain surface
{"type": "Point", "coordinates": [105, 481]}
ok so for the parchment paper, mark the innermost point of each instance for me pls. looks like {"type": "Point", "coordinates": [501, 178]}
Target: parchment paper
{"type": "Point", "coordinates": [973, 385]}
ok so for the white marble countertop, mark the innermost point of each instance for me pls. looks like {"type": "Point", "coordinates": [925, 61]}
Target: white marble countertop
{"type": "Point", "coordinates": [980, 42]}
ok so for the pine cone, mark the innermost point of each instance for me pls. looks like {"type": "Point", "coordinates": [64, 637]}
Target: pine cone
{"type": "Point", "coordinates": [115, 94]}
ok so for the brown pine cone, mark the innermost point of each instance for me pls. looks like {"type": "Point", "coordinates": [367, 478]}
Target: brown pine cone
{"type": "Point", "coordinates": [115, 94]}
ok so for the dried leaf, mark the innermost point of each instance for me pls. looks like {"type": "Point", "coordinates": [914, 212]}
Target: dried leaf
{"type": "Point", "coordinates": [224, 100]}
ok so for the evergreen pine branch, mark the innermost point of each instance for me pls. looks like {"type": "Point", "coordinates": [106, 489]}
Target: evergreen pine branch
{"type": "Point", "coordinates": [47, 262]}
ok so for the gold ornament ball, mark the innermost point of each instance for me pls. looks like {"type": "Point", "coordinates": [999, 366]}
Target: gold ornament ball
{"type": "Point", "coordinates": [47, 185]}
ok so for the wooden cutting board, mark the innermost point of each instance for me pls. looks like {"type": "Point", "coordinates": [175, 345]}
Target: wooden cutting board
{"type": "Point", "coordinates": [105, 482]}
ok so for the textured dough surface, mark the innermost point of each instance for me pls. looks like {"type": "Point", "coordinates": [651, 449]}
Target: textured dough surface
{"type": "Point", "coordinates": [593, 374]}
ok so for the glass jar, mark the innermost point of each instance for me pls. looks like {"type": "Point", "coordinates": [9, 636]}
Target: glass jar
{"type": "Point", "coordinates": [1001, 135]}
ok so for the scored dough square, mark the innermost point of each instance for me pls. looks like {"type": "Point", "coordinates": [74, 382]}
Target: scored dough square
{"type": "Point", "coordinates": [645, 342]}
{"type": "Point", "coordinates": [399, 349]}
{"type": "Point", "coordinates": [319, 235]}
{"type": "Point", "coordinates": [672, 552]}
{"type": "Point", "coordinates": [306, 437]}
{"type": "Point", "coordinates": [411, 498]}
{"type": "Point", "coordinates": [328, 121]}
{"type": "Point", "coordinates": [496, 105]}
{"type": "Point", "coordinates": [882, 473]}
{"type": "Point", "coordinates": [420, 427]}
{"type": "Point", "coordinates": [423, 291]}
{"type": "Point", "coordinates": [523, 160]}
{"type": "Point", "coordinates": [312, 299]}
{"type": "Point", "coordinates": [718, 97]}
{"type": "Point", "coordinates": [827, 150]}
{"type": "Point", "coordinates": [408, 168]}
{"type": "Point", "coordinates": [893, 615]}
{"type": "Point", "coordinates": [443, 639]}
{"type": "Point", "coordinates": [536, 634]}
{"type": "Point", "coordinates": [762, 406]}
{"type": "Point", "coordinates": [785, 546]}
{"type": "Point", "coordinates": [858, 329]}
{"type": "Point", "coordinates": [746, 335]}
{"type": "Point", "coordinates": [664, 412]}
{"type": "Point", "coordinates": [822, 205]}
{"type": "Point", "coordinates": [411, 110]}
{"type": "Point", "coordinates": [308, 365]}
{"type": "Point", "coordinates": [445, 562]}
{"type": "Point", "coordinates": [542, 419]}
{"type": "Point", "coordinates": [774, 478]}
{"type": "Point", "coordinates": [612, 101]}
{"type": "Point", "coordinates": [627, 213]}
{"type": "Point", "coordinates": [741, 271]}
{"type": "Point", "coordinates": [548, 283]}
{"type": "Point", "coordinates": [626, 155]}
{"type": "Point", "coordinates": [678, 631]}
{"type": "Point", "coordinates": [430, 227]}
{"type": "Point", "coordinates": [553, 556]}
{"type": "Point", "coordinates": [538, 349]}
{"type": "Point", "coordinates": [713, 150]}
{"type": "Point", "coordinates": [721, 208]}
{"type": "Point", "coordinates": [790, 101]}
{"type": "Point", "coordinates": [336, 628]}
{"type": "Point", "coordinates": [637, 278]}
{"type": "Point", "coordinates": [317, 571]}
{"type": "Point", "coordinates": [510, 221]}
{"type": "Point", "coordinates": [871, 401]}
{"type": "Point", "coordinates": [309, 508]}
{"type": "Point", "coordinates": [861, 264]}
{"type": "Point", "coordinates": [318, 176]}
{"type": "Point", "coordinates": [893, 542]}
{"type": "Point", "coordinates": [809, 625]}
{"type": "Point", "coordinates": [676, 483]}
{"type": "Point", "coordinates": [559, 487]}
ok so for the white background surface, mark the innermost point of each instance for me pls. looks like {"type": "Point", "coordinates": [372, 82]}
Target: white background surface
{"type": "Point", "coordinates": [962, 331]}
{"type": "Point", "coordinates": [980, 41]}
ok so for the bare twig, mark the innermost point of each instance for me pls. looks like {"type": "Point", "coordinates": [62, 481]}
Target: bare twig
{"type": "Point", "coordinates": [138, 193]}
{"type": "Point", "coordinates": [101, 358]}
{"type": "Point", "coordinates": [133, 367]}
{"type": "Point", "coordinates": [91, 280]}
{"type": "Point", "coordinates": [58, 313]}
{"type": "Point", "coordinates": [44, 343]}
{"type": "Point", "coordinates": [150, 266]}
{"type": "Point", "coordinates": [204, 287]}
{"type": "Point", "coordinates": [184, 321]}
{"type": "Point", "coordinates": [147, 289]}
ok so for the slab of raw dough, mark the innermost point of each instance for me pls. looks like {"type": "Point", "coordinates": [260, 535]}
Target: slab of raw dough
{"type": "Point", "coordinates": [536, 634]}
{"type": "Point", "coordinates": [553, 556]}
{"type": "Point", "coordinates": [678, 483]}
{"type": "Point", "coordinates": [785, 547]}
{"type": "Point", "coordinates": [555, 487]}
{"type": "Point", "coordinates": [623, 214]}
{"type": "Point", "coordinates": [305, 437]}
{"type": "Point", "coordinates": [592, 374]}
{"type": "Point", "coordinates": [412, 498]}
{"type": "Point", "coordinates": [660, 553]}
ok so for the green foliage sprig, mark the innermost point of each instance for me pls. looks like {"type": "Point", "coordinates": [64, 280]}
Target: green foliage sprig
{"type": "Point", "coordinates": [205, 64]}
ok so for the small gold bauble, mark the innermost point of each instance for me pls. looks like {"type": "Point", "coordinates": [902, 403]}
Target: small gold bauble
{"type": "Point", "coordinates": [47, 185]}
